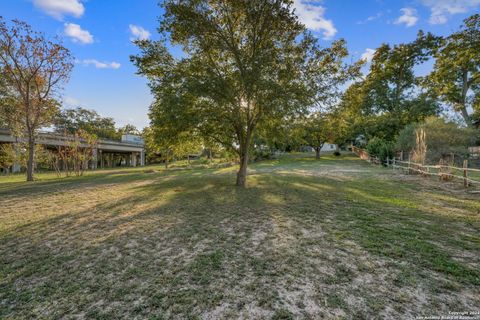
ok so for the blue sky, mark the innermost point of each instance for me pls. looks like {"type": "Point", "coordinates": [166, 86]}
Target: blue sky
{"type": "Point", "coordinates": [99, 33]}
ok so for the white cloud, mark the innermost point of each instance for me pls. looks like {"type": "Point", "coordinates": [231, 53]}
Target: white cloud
{"type": "Point", "coordinates": [69, 101]}
{"type": "Point", "coordinates": [441, 9]}
{"type": "Point", "coordinates": [139, 33]}
{"type": "Point", "coordinates": [368, 54]}
{"type": "Point", "coordinates": [409, 17]}
{"type": "Point", "coordinates": [311, 15]}
{"type": "Point", "coordinates": [59, 8]}
{"type": "Point", "coordinates": [77, 34]}
{"type": "Point", "coordinates": [101, 65]}
{"type": "Point", "coordinates": [371, 18]}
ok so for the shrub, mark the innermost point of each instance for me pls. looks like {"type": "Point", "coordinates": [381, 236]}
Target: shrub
{"type": "Point", "coordinates": [380, 148]}
{"type": "Point", "coordinates": [261, 154]}
{"type": "Point", "coordinates": [406, 138]}
{"type": "Point", "coordinates": [336, 153]}
{"type": "Point", "coordinates": [443, 138]}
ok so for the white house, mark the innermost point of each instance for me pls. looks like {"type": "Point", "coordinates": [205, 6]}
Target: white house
{"type": "Point", "coordinates": [329, 147]}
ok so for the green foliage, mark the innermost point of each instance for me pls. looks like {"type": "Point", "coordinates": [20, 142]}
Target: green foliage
{"type": "Point", "coordinates": [321, 127]}
{"type": "Point", "coordinates": [261, 154]}
{"type": "Point", "coordinates": [128, 129]}
{"type": "Point", "coordinates": [282, 314]}
{"type": "Point", "coordinates": [456, 75]}
{"type": "Point", "coordinates": [162, 145]}
{"type": "Point", "coordinates": [7, 156]}
{"type": "Point", "coordinates": [283, 135]}
{"type": "Point", "coordinates": [152, 150]}
{"type": "Point", "coordinates": [71, 121]}
{"type": "Point", "coordinates": [381, 148]}
{"type": "Point", "coordinates": [391, 96]}
{"type": "Point", "coordinates": [33, 69]}
{"type": "Point", "coordinates": [247, 64]}
{"type": "Point", "coordinates": [76, 154]}
{"type": "Point", "coordinates": [317, 130]}
{"type": "Point", "coordinates": [442, 138]}
{"type": "Point", "coordinates": [6, 101]}
{"type": "Point", "coordinates": [405, 140]}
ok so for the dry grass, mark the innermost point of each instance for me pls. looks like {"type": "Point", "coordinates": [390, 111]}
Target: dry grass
{"type": "Point", "coordinates": [335, 238]}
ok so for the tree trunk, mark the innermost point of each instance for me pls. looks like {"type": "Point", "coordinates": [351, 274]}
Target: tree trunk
{"type": "Point", "coordinates": [244, 146]}
{"type": "Point", "coordinates": [317, 152]}
{"type": "Point", "coordinates": [242, 172]}
{"type": "Point", "coordinates": [465, 115]}
{"type": "Point", "coordinates": [463, 107]}
{"type": "Point", "coordinates": [31, 157]}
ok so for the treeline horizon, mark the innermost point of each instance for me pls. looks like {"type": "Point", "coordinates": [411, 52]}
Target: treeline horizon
{"type": "Point", "coordinates": [252, 78]}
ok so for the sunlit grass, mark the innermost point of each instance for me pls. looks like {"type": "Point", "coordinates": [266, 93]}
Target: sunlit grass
{"type": "Point", "coordinates": [331, 238]}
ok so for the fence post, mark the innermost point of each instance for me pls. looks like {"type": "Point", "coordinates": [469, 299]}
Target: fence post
{"type": "Point", "coordinates": [465, 173]}
{"type": "Point", "coordinates": [393, 163]}
{"type": "Point", "coordinates": [401, 155]}
{"type": "Point", "coordinates": [409, 156]}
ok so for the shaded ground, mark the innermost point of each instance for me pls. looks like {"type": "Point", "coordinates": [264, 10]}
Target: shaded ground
{"type": "Point", "coordinates": [335, 238]}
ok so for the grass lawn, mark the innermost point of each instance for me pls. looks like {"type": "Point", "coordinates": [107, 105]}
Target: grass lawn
{"type": "Point", "coordinates": [335, 238]}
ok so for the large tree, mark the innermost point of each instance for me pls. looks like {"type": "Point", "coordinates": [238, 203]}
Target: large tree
{"type": "Point", "coordinates": [392, 95]}
{"type": "Point", "coordinates": [322, 127]}
{"type": "Point", "coordinates": [245, 63]}
{"type": "Point", "coordinates": [128, 129]}
{"type": "Point", "coordinates": [33, 69]}
{"type": "Point", "coordinates": [71, 121]}
{"type": "Point", "coordinates": [456, 74]}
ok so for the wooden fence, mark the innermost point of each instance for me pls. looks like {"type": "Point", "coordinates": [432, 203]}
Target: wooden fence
{"type": "Point", "coordinates": [446, 172]}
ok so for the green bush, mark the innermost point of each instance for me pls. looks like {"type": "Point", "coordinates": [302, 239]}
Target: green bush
{"type": "Point", "coordinates": [443, 138]}
{"type": "Point", "coordinates": [336, 153]}
{"type": "Point", "coordinates": [380, 148]}
{"type": "Point", "coordinates": [406, 138]}
{"type": "Point", "coordinates": [259, 154]}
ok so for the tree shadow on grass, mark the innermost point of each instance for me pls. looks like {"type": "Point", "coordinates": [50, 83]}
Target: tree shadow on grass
{"type": "Point", "coordinates": [186, 245]}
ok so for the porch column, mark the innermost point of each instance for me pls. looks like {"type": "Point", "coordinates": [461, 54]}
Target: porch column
{"type": "Point", "coordinates": [94, 159]}
{"type": "Point", "coordinates": [133, 156]}
{"type": "Point", "coordinates": [16, 166]}
{"type": "Point", "coordinates": [101, 159]}
{"type": "Point", "coordinates": [142, 157]}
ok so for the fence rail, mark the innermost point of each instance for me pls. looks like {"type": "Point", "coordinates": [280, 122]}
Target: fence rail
{"type": "Point", "coordinates": [469, 176]}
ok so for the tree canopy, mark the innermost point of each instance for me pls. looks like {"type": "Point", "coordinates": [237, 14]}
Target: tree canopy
{"type": "Point", "coordinates": [391, 95]}
{"type": "Point", "coordinates": [71, 121]}
{"type": "Point", "coordinates": [246, 63]}
{"type": "Point", "coordinates": [74, 120]}
{"type": "Point", "coordinates": [33, 70]}
{"type": "Point", "coordinates": [456, 74]}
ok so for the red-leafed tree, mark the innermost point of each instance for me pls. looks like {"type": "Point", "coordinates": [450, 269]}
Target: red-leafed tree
{"type": "Point", "coordinates": [34, 69]}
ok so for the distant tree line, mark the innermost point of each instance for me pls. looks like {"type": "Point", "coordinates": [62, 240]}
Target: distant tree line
{"type": "Point", "coordinates": [254, 80]}
{"type": "Point", "coordinates": [71, 121]}
{"type": "Point", "coordinates": [391, 104]}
